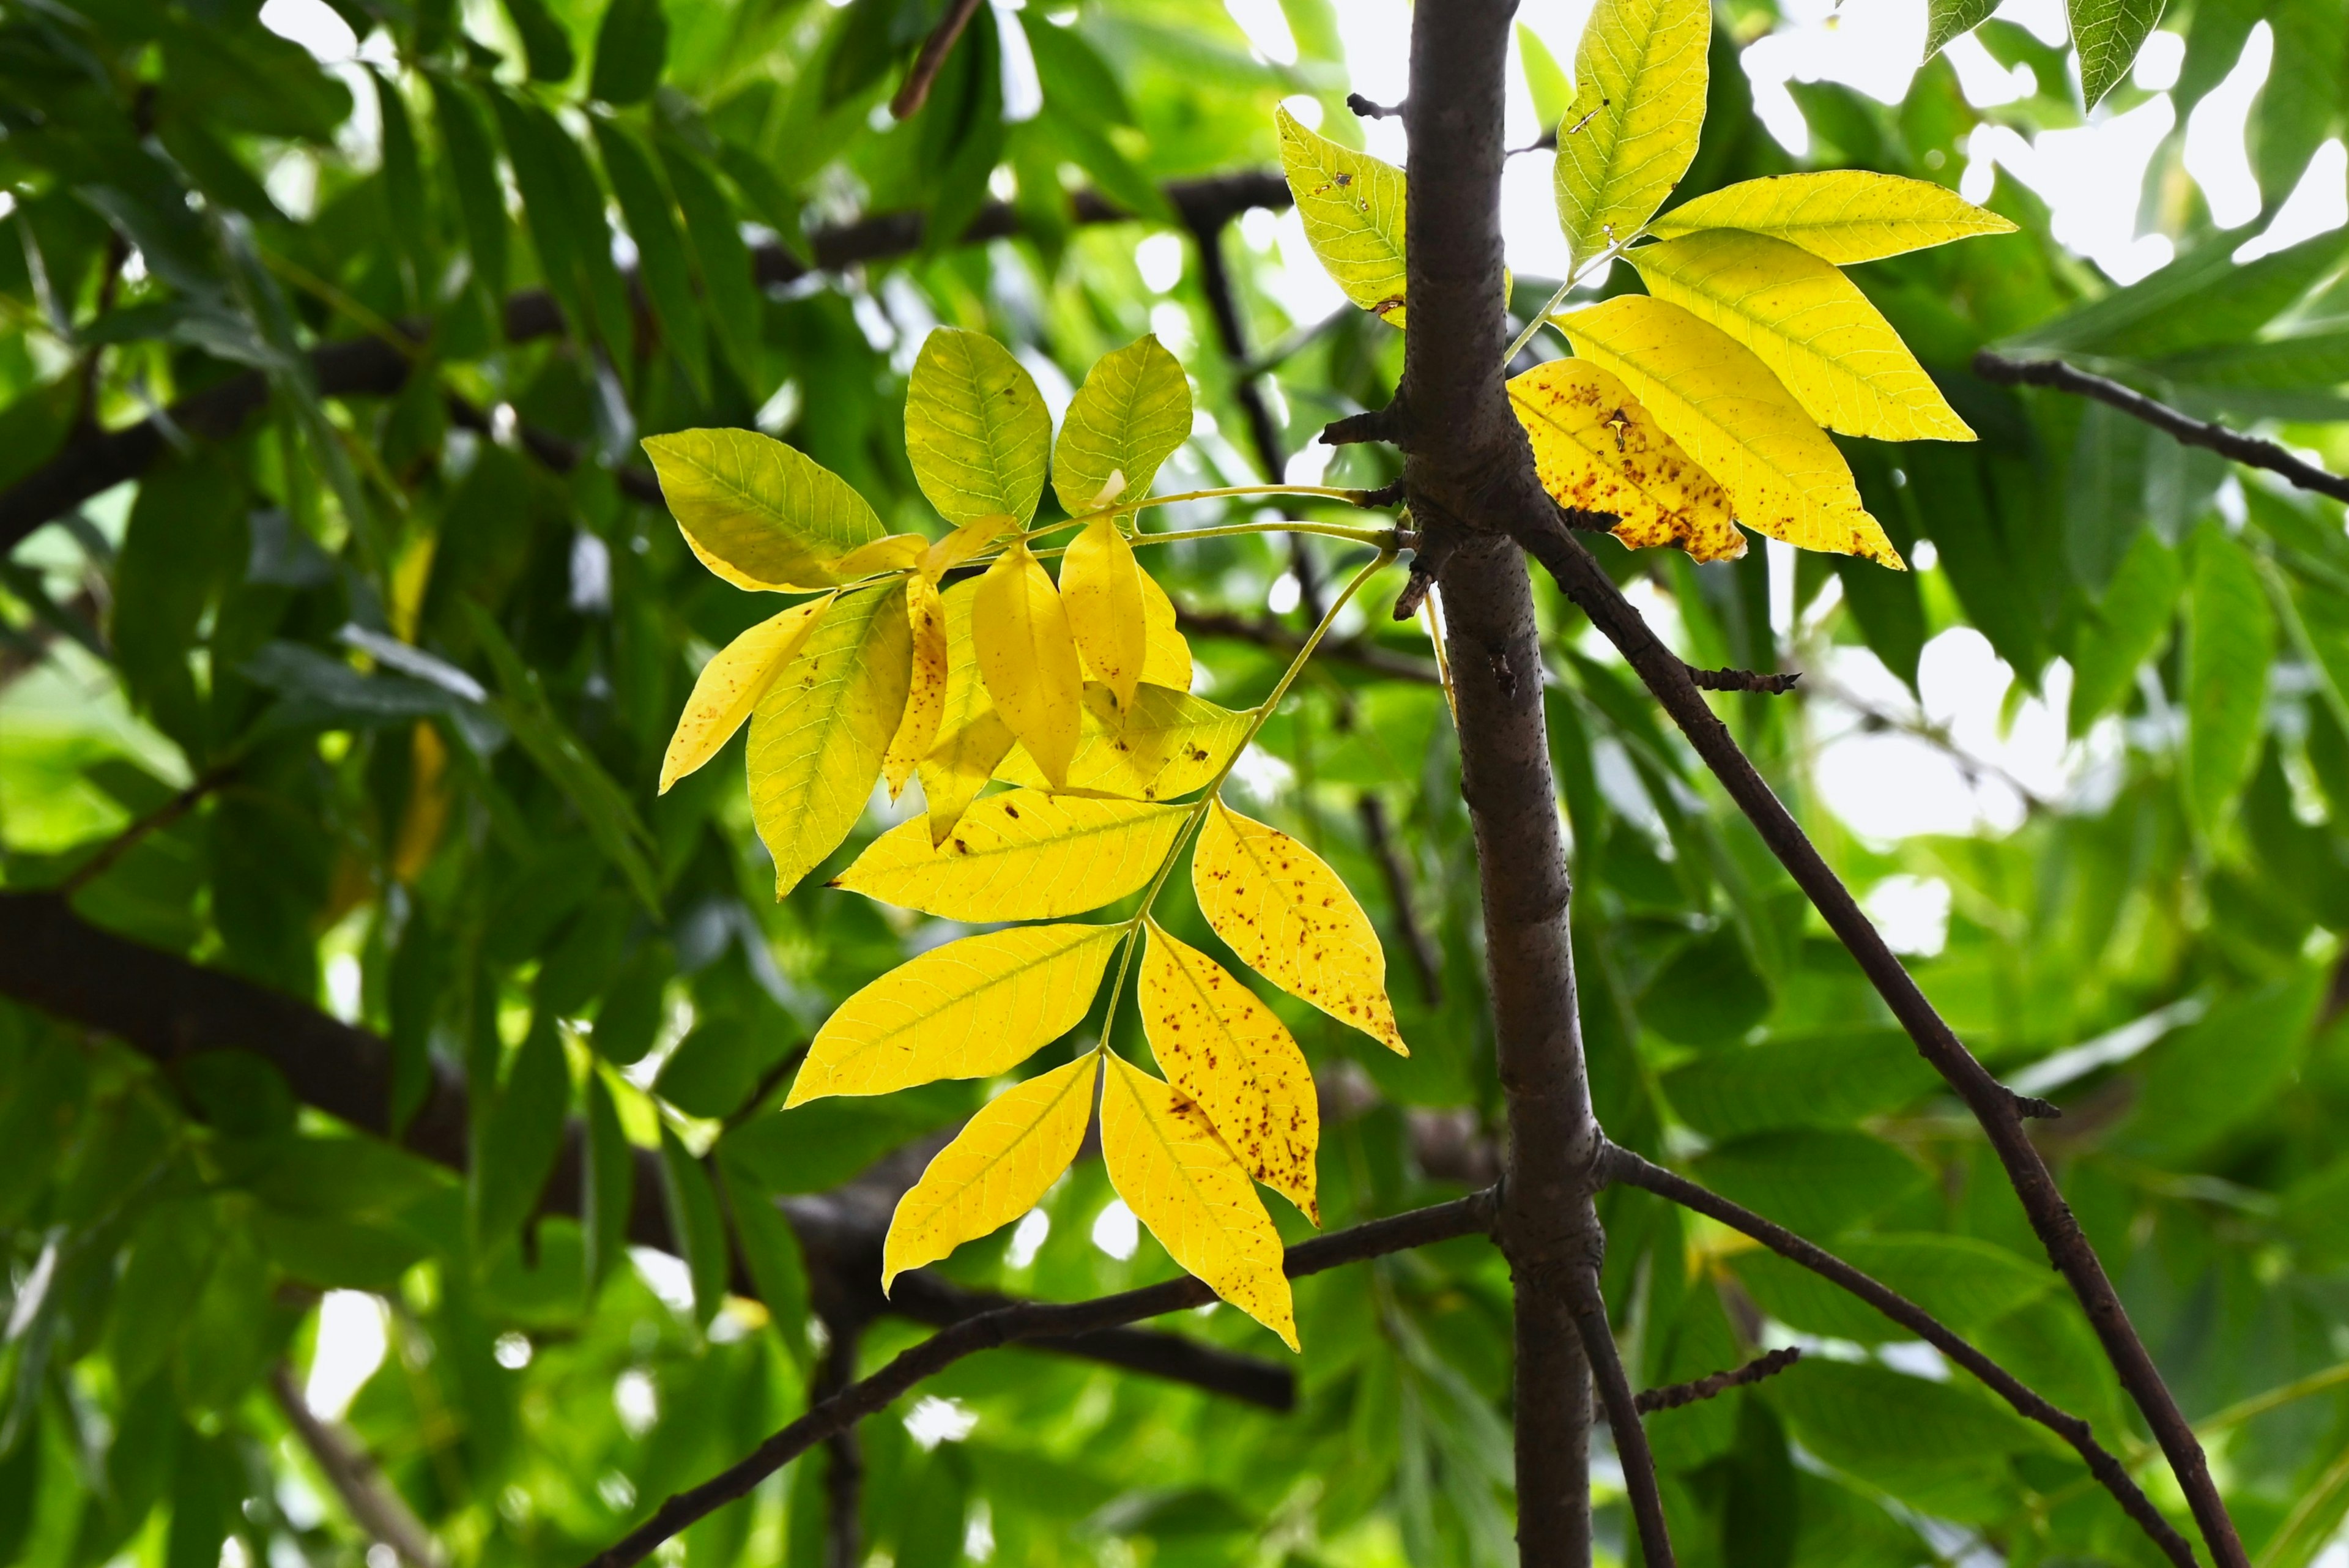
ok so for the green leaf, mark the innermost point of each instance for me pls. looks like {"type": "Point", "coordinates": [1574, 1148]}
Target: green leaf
{"type": "Point", "coordinates": [713, 1069]}
{"type": "Point", "coordinates": [1132, 414]}
{"type": "Point", "coordinates": [1812, 1080]}
{"type": "Point", "coordinates": [661, 259]}
{"type": "Point", "coordinates": [2209, 1078]}
{"type": "Point", "coordinates": [2123, 630]}
{"type": "Point", "coordinates": [1962, 1282]}
{"type": "Point", "coordinates": [976, 429]}
{"type": "Point", "coordinates": [1945, 19]}
{"type": "Point", "coordinates": [771, 1251]}
{"type": "Point", "coordinates": [629, 1017]}
{"type": "Point", "coordinates": [1709, 995]}
{"type": "Point", "coordinates": [2231, 637]}
{"type": "Point", "coordinates": [695, 1219]}
{"type": "Point", "coordinates": [2300, 102]}
{"type": "Point", "coordinates": [471, 160]}
{"type": "Point", "coordinates": [2202, 299]}
{"type": "Point", "coordinates": [608, 1176]}
{"type": "Point", "coordinates": [631, 48]}
{"type": "Point", "coordinates": [1546, 79]}
{"type": "Point", "coordinates": [1353, 207]}
{"type": "Point", "coordinates": [545, 42]}
{"type": "Point", "coordinates": [403, 177]}
{"type": "Point", "coordinates": [2107, 33]}
{"type": "Point", "coordinates": [760, 514]}
{"type": "Point", "coordinates": [564, 208]}
{"type": "Point", "coordinates": [721, 259]}
{"type": "Point", "coordinates": [1817, 1183]}
{"type": "Point", "coordinates": [1632, 128]}
{"type": "Point", "coordinates": [1924, 1442]}
{"type": "Point", "coordinates": [517, 1135]}
{"type": "Point", "coordinates": [187, 524]}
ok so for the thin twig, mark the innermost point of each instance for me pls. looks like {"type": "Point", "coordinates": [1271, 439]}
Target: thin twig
{"type": "Point", "coordinates": [1623, 1418]}
{"type": "Point", "coordinates": [352, 1471]}
{"type": "Point", "coordinates": [927, 65]}
{"type": "Point", "coordinates": [1718, 1382]}
{"type": "Point", "coordinates": [1425, 956]}
{"type": "Point", "coordinates": [1744, 681]}
{"type": "Point", "coordinates": [1356, 651]}
{"type": "Point", "coordinates": [155, 821]}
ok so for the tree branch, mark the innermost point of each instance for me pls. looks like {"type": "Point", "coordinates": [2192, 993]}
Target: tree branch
{"type": "Point", "coordinates": [926, 63]}
{"type": "Point", "coordinates": [1015, 1324]}
{"type": "Point", "coordinates": [2183, 428]}
{"type": "Point", "coordinates": [352, 1471]}
{"type": "Point", "coordinates": [1622, 1166]}
{"type": "Point", "coordinates": [1223, 304]}
{"type": "Point", "coordinates": [844, 1475]}
{"type": "Point", "coordinates": [1623, 1418]}
{"type": "Point", "coordinates": [1718, 1382]}
{"type": "Point", "coordinates": [1743, 681]}
{"type": "Point", "coordinates": [1357, 652]}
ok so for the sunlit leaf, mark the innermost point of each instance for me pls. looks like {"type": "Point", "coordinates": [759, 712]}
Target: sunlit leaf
{"type": "Point", "coordinates": [1132, 414]}
{"type": "Point", "coordinates": [976, 427]}
{"type": "Point", "coordinates": [1597, 450]}
{"type": "Point", "coordinates": [1167, 743]}
{"type": "Point", "coordinates": [759, 514]}
{"type": "Point", "coordinates": [1352, 205]}
{"type": "Point", "coordinates": [926, 697]}
{"type": "Point", "coordinates": [971, 739]}
{"type": "Point", "coordinates": [1101, 585]}
{"type": "Point", "coordinates": [732, 683]}
{"type": "Point", "coordinates": [1840, 215]}
{"type": "Point", "coordinates": [2107, 33]}
{"type": "Point", "coordinates": [1632, 129]}
{"type": "Point", "coordinates": [1546, 79]}
{"type": "Point", "coordinates": [1023, 856]}
{"type": "Point", "coordinates": [1028, 659]}
{"type": "Point", "coordinates": [1166, 659]}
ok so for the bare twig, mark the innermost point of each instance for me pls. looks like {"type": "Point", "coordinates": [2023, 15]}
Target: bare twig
{"type": "Point", "coordinates": [933, 57]}
{"type": "Point", "coordinates": [155, 821]}
{"type": "Point", "coordinates": [1425, 956]}
{"type": "Point", "coordinates": [1356, 651]}
{"type": "Point", "coordinates": [352, 1471]}
{"type": "Point", "coordinates": [1623, 1419]}
{"type": "Point", "coordinates": [1743, 681]}
{"type": "Point", "coordinates": [1652, 1400]}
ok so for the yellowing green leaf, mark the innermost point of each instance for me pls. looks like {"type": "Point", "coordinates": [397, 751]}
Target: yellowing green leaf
{"type": "Point", "coordinates": [1028, 659]}
{"type": "Point", "coordinates": [1840, 215]}
{"type": "Point", "coordinates": [925, 698]}
{"type": "Point", "coordinates": [1286, 915]}
{"type": "Point", "coordinates": [971, 739]}
{"type": "Point", "coordinates": [1632, 129]}
{"type": "Point", "coordinates": [1167, 659]}
{"type": "Point", "coordinates": [731, 685]}
{"type": "Point", "coordinates": [963, 544]}
{"type": "Point", "coordinates": [1021, 856]}
{"type": "Point", "coordinates": [1132, 414]}
{"type": "Point", "coordinates": [818, 734]}
{"type": "Point", "coordinates": [1809, 323]}
{"type": "Point", "coordinates": [997, 1167]}
{"type": "Point", "coordinates": [1709, 393]}
{"type": "Point", "coordinates": [759, 514]}
{"type": "Point", "coordinates": [970, 1008]}
{"type": "Point", "coordinates": [1225, 1049]}
{"type": "Point", "coordinates": [1101, 585]}
{"type": "Point", "coordinates": [1183, 1182]}
{"type": "Point", "coordinates": [1597, 450]}
{"type": "Point", "coordinates": [976, 427]}
{"type": "Point", "coordinates": [1352, 205]}
{"type": "Point", "coordinates": [1166, 743]}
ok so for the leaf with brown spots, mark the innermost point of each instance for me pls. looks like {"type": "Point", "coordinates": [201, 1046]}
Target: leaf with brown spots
{"type": "Point", "coordinates": [1021, 856]}
{"type": "Point", "coordinates": [1166, 743]}
{"type": "Point", "coordinates": [972, 738]}
{"type": "Point", "coordinates": [1599, 450]}
{"type": "Point", "coordinates": [926, 701]}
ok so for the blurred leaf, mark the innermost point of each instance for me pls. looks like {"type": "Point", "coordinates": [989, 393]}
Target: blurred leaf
{"type": "Point", "coordinates": [1829, 1080]}
{"type": "Point", "coordinates": [631, 48]}
{"type": "Point", "coordinates": [1962, 1282]}
{"type": "Point", "coordinates": [2208, 1079]}
{"type": "Point", "coordinates": [517, 1134]}
{"type": "Point", "coordinates": [694, 1218]}
{"type": "Point", "coordinates": [661, 257]}
{"type": "Point", "coordinates": [546, 41]}
{"type": "Point", "coordinates": [2230, 633]}
{"type": "Point", "coordinates": [609, 1172]}
{"type": "Point", "coordinates": [1817, 1183]}
{"type": "Point", "coordinates": [2123, 630]}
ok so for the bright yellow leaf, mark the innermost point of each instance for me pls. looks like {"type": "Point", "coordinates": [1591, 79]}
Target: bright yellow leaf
{"type": "Point", "coordinates": [1811, 325]}
{"type": "Point", "coordinates": [818, 735]}
{"type": "Point", "coordinates": [896, 552]}
{"type": "Point", "coordinates": [1020, 856]}
{"type": "Point", "coordinates": [1709, 393]}
{"type": "Point", "coordinates": [1166, 661]}
{"type": "Point", "coordinates": [731, 685]}
{"type": "Point", "coordinates": [758, 512]}
{"type": "Point", "coordinates": [1352, 205]}
{"type": "Point", "coordinates": [1167, 743]}
{"type": "Point", "coordinates": [1225, 1049]}
{"type": "Point", "coordinates": [1182, 1182]}
{"type": "Point", "coordinates": [976, 427]}
{"type": "Point", "coordinates": [1132, 414]}
{"type": "Point", "coordinates": [1841, 215]}
{"type": "Point", "coordinates": [970, 1008]}
{"type": "Point", "coordinates": [963, 544]}
{"type": "Point", "coordinates": [1028, 659]}
{"type": "Point", "coordinates": [1101, 585]}
{"type": "Point", "coordinates": [926, 699]}
{"type": "Point", "coordinates": [1286, 915]}
{"type": "Point", "coordinates": [971, 739]}
{"type": "Point", "coordinates": [1632, 129]}
{"type": "Point", "coordinates": [997, 1167]}
{"type": "Point", "coordinates": [1599, 450]}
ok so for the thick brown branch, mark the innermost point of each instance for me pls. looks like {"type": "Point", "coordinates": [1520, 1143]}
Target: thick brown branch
{"type": "Point", "coordinates": [926, 63]}
{"type": "Point", "coordinates": [1718, 1382]}
{"type": "Point", "coordinates": [352, 1471]}
{"type": "Point", "coordinates": [1017, 1324]}
{"type": "Point", "coordinates": [2183, 428]}
{"type": "Point", "coordinates": [1623, 1165]}
{"type": "Point", "coordinates": [1623, 1419]}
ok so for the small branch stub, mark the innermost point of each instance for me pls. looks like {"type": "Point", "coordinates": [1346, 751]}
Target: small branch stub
{"type": "Point", "coordinates": [1744, 681]}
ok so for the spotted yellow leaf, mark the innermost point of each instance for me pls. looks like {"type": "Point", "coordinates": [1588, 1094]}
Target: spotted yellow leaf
{"type": "Point", "coordinates": [1020, 856]}
{"type": "Point", "coordinates": [759, 514]}
{"type": "Point", "coordinates": [1101, 585]}
{"type": "Point", "coordinates": [1167, 743]}
{"type": "Point", "coordinates": [1280, 907]}
{"type": "Point", "coordinates": [1727, 409]}
{"type": "Point", "coordinates": [1132, 413]}
{"type": "Point", "coordinates": [1840, 215]}
{"type": "Point", "coordinates": [731, 685]}
{"type": "Point", "coordinates": [1811, 325]}
{"type": "Point", "coordinates": [926, 699]}
{"type": "Point", "coordinates": [1182, 1182]}
{"type": "Point", "coordinates": [970, 1008]}
{"type": "Point", "coordinates": [818, 735]}
{"type": "Point", "coordinates": [1166, 656]}
{"type": "Point", "coordinates": [1028, 659]}
{"type": "Point", "coordinates": [1632, 129]}
{"type": "Point", "coordinates": [1352, 205]}
{"type": "Point", "coordinates": [997, 1167]}
{"type": "Point", "coordinates": [976, 427]}
{"type": "Point", "coordinates": [971, 739]}
{"type": "Point", "coordinates": [1597, 450]}
{"type": "Point", "coordinates": [1225, 1049]}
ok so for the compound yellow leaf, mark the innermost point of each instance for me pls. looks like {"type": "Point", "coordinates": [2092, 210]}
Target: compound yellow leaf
{"type": "Point", "coordinates": [1182, 1182]}
{"type": "Point", "coordinates": [1167, 743]}
{"type": "Point", "coordinates": [1709, 393]}
{"type": "Point", "coordinates": [1638, 105]}
{"type": "Point", "coordinates": [1166, 660]}
{"type": "Point", "coordinates": [731, 685]}
{"type": "Point", "coordinates": [963, 544]}
{"type": "Point", "coordinates": [895, 553]}
{"type": "Point", "coordinates": [1132, 414]}
{"type": "Point", "coordinates": [1028, 659]}
{"type": "Point", "coordinates": [1101, 585]}
{"type": "Point", "coordinates": [758, 512]}
{"type": "Point", "coordinates": [1840, 215]}
{"type": "Point", "coordinates": [818, 735]}
{"type": "Point", "coordinates": [1225, 1049]}
{"type": "Point", "coordinates": [1020, 856]}
{"type": "Point", "coordinates": [997, 1167]}
{"type": "Point", "coordinates": [926, 699]}
{"type": "Point", "coordinates": [970, 1008]}
{"type": "Point", "coordinates": [1280, 907]}
{"type": "Point", "coordinates": [1597, 450]}
{"type": "Point", "coordinates": [976, 427]}
{"type": "Point", "coordinates": [1352, 205]}
{"type": "Point", "coordinates": [971, 739]}
{"type": "Point", "coordinates": [1811, 325]}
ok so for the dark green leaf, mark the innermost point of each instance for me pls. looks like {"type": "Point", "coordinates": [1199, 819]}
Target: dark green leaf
{"type": "Point", "coordinates": [515, 1137]}
{"type": "Point", "coordinates": [631, 48]}
{"type": "Point", "coordinates": [546, 41]}
{"type": "Point", "coordinates": [609, 1173]}
{"type": "Point", "coordinates": [473, 162]}
{"type": "Point", "coordinates": [694, 1218]}
{"type": "Point", "coordinates": [2231, 636]}
{"type": "Point", "coordinates": [2123, 630]}
{"type": "Point", "coordinates": [2207, 1079]}
{"type": "Point", "coordinates": [1817, 1183]}
{"type": "Point", "coordinates": [1820, 1080]}
{"type": "Point", "coordinates": [661, 257]}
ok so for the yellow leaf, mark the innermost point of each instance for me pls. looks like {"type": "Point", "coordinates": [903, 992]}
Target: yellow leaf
{"type": "Point", "coordinates": [1709, 393]}
{"type": "Point", "coordinates": [759, 514]}
{"type": "Point", "coordinates": [1841, 215]}
{"type": "Point", "coordinates": [970, 1008]}
{"type": "Point", "coordinates": [971, 738]}
{"type": "Point", "coordinates": [731, 685]}
{"type": "Point", "coordinates": [1028, 659]}
{"type": "Point", "coordinates": [963, 544]}
{"type": "Point", "coordinates": [1101, 585]}
{"type": "Point", "coordinates": [1130, 415]}
{"type": "Point", "coordinates": [1225, 1049]}
{"type": "Point", "coordinates": [926, 699]}
{"type": "Point", "coordinates": [1810, 325]}
{"type": "Point", "coordinates": [1289, 918]}
{"type": "Point", "coordinates": [1167, 661]}
{"type": "Point", "coordinates": [997, 1167]}
{"type": "Point", "coordinates": [896, 552]}
{"type": "Point", "coordinates": [1632, 129]}
{"type": "Point", "coordinates": [1599, 450]}
{"type": "Point", "coordinates": [1183, 1182]}
{"type": "Point", "coordinates": [1020, 856]}
{"type": "Point", "coordinates": [1352, 205]}
{"type": "Point", "coordinates": [976, 427]}
{"type": "Point", "coordinates": [818, 734]}
{"type": "Point", "coordinates": [1167, 743]}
